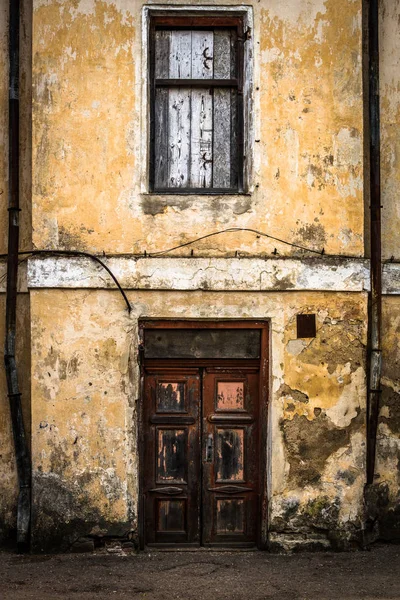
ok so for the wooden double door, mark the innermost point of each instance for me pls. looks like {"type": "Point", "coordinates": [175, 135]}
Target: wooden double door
{"type": "Point", "coordinates": [201, 456]}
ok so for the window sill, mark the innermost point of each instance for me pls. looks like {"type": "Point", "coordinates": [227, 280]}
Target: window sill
{"type": "Point", "coordinates": [205, 194]}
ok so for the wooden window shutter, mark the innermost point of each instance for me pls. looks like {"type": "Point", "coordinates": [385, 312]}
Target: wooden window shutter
{"type": "Point", "coordinates": [196, 106]}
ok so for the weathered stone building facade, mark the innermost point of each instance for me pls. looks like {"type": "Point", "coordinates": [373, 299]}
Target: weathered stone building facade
{"type": "Point", "coordinates": [85, 184]}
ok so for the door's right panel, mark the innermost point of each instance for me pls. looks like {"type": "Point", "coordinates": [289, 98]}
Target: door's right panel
{"type": "Point", "coordinates": [230, 456]}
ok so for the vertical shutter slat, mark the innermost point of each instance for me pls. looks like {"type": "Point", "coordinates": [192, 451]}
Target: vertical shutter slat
{"type": "Point", "coordinates": [161, 138]}
{"type": "Point", "coordinates": [180, 59]}
{"type": "Point", "coordinates": [163, 40]}
{"type": "Point", "coordinates": [202, 55]}
{"type": "Point", "coordinates": [222, 54]}
{"type": "Point", "coordinates": [222, 138]}
{"type": "Point", "coordinates": [162, 54]}
{"type": "Point", "coordinates": [233, 54]}
{"type": "Point", "coordinates": [179, 137]}
{"type": "Point", "coordinates": [201, 139]}
{"type": "Point", "coordinates": [234, 113]}
{"type": "Point", "coordinates": [179, 110]}
{"type": "Point", "coordinates": [202, 118]}
{"type": "Point", "coordinates": [224, 148]}
{"type": "Point", "coordinates": [233, 138]}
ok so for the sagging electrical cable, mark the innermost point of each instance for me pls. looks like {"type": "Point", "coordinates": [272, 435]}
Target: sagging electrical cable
{"type": "Point", "coordinates": [235, 230]}
{"type": "Point", "coordinates": [30, 253]}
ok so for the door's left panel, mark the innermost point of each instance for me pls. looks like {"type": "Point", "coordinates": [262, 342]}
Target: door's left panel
{"type": "Point", "coordinates": [171, 456]}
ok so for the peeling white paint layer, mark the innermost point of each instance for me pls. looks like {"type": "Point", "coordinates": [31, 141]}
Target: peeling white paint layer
{"type": "Point", "coordinates": [242, 274]}
{"type": "Point", "coordinates": [391, 278]}
{"type": "Point", "coordinates": [348, 275]}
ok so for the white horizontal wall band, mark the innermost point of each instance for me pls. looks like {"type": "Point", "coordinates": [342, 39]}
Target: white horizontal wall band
{"type": "Point", "coordinates": [391, 278]}
{"type": "Point", "coordinates": [213, 274]}
{"type": "Point", "coordinates": [219, 274]}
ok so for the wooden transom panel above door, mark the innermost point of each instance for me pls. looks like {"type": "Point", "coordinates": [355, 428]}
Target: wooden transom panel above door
{"type": "Point", "coordinates": [201, 448]}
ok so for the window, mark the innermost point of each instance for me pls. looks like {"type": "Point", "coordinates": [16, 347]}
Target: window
{"type": "Point", "coordinates": [197, 115]}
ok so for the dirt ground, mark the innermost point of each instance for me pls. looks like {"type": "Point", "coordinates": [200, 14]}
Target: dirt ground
{"type": "Point", "coordinates": [202, 575]}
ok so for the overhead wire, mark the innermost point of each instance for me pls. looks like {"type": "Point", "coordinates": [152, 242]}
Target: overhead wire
{"type": "Point", "coordinates": [29, 253]}
{"type": "Point", "coordinates": [235, 230]}
{"type": "Point", "coordinates": [77, 253]}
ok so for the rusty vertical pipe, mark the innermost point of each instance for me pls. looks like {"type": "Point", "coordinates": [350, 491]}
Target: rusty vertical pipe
{"type": "Point", "coordinates": [14, 394]}
{"type": "Point", "coordinates": [375, 310]}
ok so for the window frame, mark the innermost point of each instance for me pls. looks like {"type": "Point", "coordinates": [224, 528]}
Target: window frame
{"type": "Point", "coordinates": [201, 17]}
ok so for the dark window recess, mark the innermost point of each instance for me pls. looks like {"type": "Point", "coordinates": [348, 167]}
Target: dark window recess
{"type": "Point", "coordinates": [202, 343]}
{"type": "Point", "coordinates": [306, 326]}
{"type": "Point", "coordinates": [196, 105]}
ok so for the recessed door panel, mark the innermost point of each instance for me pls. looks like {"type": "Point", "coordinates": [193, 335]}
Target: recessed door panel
{"type": "Point", "coordinates": [172, 455]}
{"type": "Point", "coordinates": [230, 516]}
{"type": "Point", "coordinates": [171, 516]}
{"type": "Point", "coordinates": [171, 396]}
{"type": "Point", "coordinates": [229, 457]}
{"type": "Point", "coordinates": [230, 395]}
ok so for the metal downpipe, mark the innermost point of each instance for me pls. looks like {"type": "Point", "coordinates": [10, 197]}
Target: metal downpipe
{"type": "Point", "coordinates": [375, 308]}
{"type": "Point", "coordinates": [21, 448]}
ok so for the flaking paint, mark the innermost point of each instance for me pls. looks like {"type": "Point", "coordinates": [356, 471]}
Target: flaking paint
{"type": "Point", "coordinates": [89, 140]}
{"type": "Point", "coordinates": [390, 126]}
{"type": "Point", "coordinates": [308, 118]}
{"type": "Point", "coordinates": [387, 476]}
{"type": "Point", "coordinates": [85, 423]}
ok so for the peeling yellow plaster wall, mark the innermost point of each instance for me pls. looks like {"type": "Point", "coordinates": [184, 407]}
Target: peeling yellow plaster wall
{"type": "Point", "coordinates": [388, 440]}
{"type": "Point", "coordinates": [390, 126]}
{"type": "Point", "coordinates": [84, 143]}
{"type": "Point", "coordinates": [338, 336]}
{"type": "Point", "coordinates": [387, 473]}
{"type": "Point", "coordinates": [25, 124]}
{"type": "Point", "coordinates": [85, 389]}
{"type": "Point", "coordinates": [82, 417]}
{"type": "Point", "coordinates": [311, 122]}
{"type": "Point", "coordinates": [89, 128]}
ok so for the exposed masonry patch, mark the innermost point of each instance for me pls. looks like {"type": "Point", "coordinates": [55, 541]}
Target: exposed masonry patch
{"type": "Point", "coordinates": [309, 444]}
{"type": "Point", "coordinates": [56, 523]}
{"type": "Point", "coordinates": [219, 274]}
{"type": "Point", "coordinates": [296, 395]}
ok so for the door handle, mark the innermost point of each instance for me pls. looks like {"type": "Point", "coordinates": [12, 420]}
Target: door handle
{"type": "Point", "coordinates": [209, 448]}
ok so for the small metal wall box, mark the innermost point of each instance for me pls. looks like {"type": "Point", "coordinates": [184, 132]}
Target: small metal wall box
{"type": "Point", "coordinates": [306, 326]}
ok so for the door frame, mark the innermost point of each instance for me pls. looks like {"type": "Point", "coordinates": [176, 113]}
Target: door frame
{"type": "Point", "coordinates": [264, 370]}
